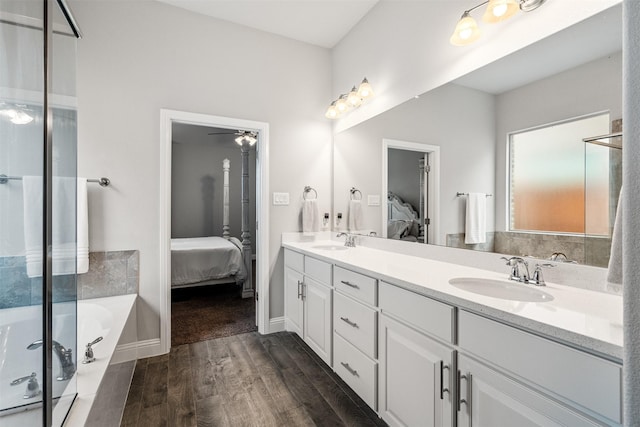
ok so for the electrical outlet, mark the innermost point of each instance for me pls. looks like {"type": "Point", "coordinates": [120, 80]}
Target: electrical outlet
{"type": "Point", "coordinates": [338, 220]}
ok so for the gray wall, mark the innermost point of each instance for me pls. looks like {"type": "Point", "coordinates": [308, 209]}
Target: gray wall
{"type": "Point", "coordinates": [137, 57]}
{"type": "Point", "coordinates": [197, 189]}
{"type": "Point", "coordinates": [404, 175]}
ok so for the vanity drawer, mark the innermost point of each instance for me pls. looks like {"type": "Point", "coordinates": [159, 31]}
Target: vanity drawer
{"type": "Point", "coordinates": [319, 270]}
{"type": "Point", "coordinates": [591, 382]}
{"type": "Point", "coordinates": [294, 260]}
{"type": "Point", "coordinates": [426, 314]}
{"type": "Point", "coordinates": [356, 323]}
{"type": "Point", "coordinates": [355, 284]}
{"type": "Point", "coordinates": [357, 370]}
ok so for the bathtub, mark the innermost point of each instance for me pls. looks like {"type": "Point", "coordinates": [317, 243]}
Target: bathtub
{"type": "Point", "coordinates": [19, 327]}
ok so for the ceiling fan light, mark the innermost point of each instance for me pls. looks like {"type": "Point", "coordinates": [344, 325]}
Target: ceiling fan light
{"type": "Point", "coordinates": [466, 31]}
{"type": "Point", "coordinates": [500, 10]}
{"type": "Point", "coordinates": [365, 90]}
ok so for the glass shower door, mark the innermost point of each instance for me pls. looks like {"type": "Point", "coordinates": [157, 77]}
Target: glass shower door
{"type": "Point", "coordinates": [37, 182]}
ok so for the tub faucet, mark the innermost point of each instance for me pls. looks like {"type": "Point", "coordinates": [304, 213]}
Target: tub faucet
{"type": "Point", "coordinates": [64, 355]}
{"type": "Point", "coordinates": [519, 269]}
{"type": "Point", "coordinates": [33, 388]}
{"type": "Point", "coordinates": [349, 241]}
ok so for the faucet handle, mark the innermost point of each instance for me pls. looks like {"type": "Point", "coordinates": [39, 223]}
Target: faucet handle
{"type": "Point", "coordinates": [537, 278]}
{"type": "Point", "coordinates": [88, 352]}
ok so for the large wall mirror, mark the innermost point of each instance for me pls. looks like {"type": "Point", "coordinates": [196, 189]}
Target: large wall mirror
{"type": "Point", "coordinates": [505, 143]}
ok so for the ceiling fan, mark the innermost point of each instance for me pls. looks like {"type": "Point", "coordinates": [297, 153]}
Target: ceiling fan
{"type": "Point", "coordinates": [242, 136]}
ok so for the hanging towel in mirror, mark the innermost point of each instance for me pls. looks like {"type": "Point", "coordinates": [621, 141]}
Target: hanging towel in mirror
{"type": "Point", "coordinates": [476, 219]}
{"type": "Point", "coordinates": [70, 233]}
{"type": "Point", "coordinates": [310, 216]}
{"type": "Point", "coordinates": [355, 215]}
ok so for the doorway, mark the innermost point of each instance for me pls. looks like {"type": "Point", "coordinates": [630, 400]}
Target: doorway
{"type": "Point", "coordinates": [184, 221]}
{"type": "Point", "coordinates": [410, 182]}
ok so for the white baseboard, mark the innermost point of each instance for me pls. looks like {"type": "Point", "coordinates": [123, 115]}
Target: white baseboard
{"type": "Point", "coordinates": [137, 350]}
{"type": "Point", "coordinates": [276, 324]}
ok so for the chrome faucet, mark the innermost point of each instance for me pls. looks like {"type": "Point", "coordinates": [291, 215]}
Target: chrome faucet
{"type": "Point", "coordinates": [537, 278]}
{"type": "Point", "coordinates": [519, 269]}
{"type": "Point", "coordinates": [64, 355]}
{"type": "Point", "coordinates": [349, 241]}
{"type": "Point", "coordinates": [88, 352]}
{"type": "Point", "coordinates": [33, 388]}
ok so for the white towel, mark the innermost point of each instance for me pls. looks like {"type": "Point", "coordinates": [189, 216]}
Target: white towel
{"type": "Point", "coordinates": [70, 233]}
{"type": "Point", "coordinates": [355, 215]}
{"type": "Point", "coordinates": [614, 274]}
{"type": "Point", "coordinates": [476, 219]}
{"type": "Point", "coordinates": [310, 216]}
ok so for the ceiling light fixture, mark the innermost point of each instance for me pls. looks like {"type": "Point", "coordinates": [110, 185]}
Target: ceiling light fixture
{"type": "Point", "coordinates": [467, 30]}
{"type": "Point", "coordinates": [353, 99]}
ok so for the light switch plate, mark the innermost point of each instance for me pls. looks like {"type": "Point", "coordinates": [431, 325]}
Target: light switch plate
{"type": "Point", "coordinates": [281, 199]}
{"type": "Point", "coordinates": [373, 200]}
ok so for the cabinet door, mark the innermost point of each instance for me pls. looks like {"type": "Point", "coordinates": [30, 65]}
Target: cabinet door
{"type": "Point", "coordinates": [317, 318]}
{"type": "Point", "coordinates": [489, 399]}
{"type": "Point", "coordinates": [293, 303]}
{"type": "Point", "coordinates": [415, 376]}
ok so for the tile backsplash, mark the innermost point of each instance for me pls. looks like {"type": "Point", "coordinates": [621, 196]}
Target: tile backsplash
{"type": "Point", "coordinates": [110, 273]}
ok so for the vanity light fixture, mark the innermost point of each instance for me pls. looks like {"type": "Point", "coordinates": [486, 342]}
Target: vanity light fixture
{"type": "Point", "coordinates": [247, 136]}
{"type": "Point", "coordinates": [467, 30]}
{"type": "Point", "coordinates": [353, 99]}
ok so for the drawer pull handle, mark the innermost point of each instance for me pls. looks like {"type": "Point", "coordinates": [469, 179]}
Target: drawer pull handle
{"type": "Point", "coordinates": [349, 322]}
{"type": "Point", "coordinates": [299, 289]}
{"type": "Point", "coordinates": [350, 369]}
{"type": "Point", "coordinates": [350, 284]}
{"type": "Point", "coordinates": [442, 389]}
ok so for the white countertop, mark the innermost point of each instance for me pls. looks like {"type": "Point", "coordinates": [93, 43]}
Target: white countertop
{"type": "Point", "coordinates": [588, 320]}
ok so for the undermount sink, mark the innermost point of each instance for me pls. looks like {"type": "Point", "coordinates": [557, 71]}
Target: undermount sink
{"type": "Point", "coordinates": [330, 247]}
{"type": "Point", "coordinates": [501, 289]}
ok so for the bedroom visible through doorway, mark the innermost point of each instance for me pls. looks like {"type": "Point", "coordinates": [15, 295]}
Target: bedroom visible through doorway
{"type": "Point", "coordinates": [213, 232]}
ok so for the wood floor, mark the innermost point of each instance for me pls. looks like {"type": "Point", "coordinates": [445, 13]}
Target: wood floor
{"type": "Point", "coordinates": [242, 380]}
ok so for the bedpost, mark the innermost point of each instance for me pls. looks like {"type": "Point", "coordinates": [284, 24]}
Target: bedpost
{"type": "Point", "coordinates": [225, 206]}
{"type": "Point", "coordinates": [247, 287]}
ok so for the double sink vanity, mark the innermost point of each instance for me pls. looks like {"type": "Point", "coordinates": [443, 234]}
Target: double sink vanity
{"type": "Point", "coordinates": [432, 343]}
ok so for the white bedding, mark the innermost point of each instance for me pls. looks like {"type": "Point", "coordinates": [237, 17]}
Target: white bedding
{"type": "Point", "coordinates": [199, 259]}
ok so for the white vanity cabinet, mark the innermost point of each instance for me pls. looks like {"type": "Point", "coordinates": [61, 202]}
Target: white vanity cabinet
{"type": "Point", "coordinates": [355, 332]}
{"type": "Point", "coordinates": [416, 359]}
{"type": "Point", "coordinates": [308, 301]}
{"type": "Point", "coordinates": [523, 379]}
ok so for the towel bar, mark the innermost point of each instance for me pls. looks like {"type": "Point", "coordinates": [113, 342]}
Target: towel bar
{"type": "Point", "coordinates": [458, 194]}
{"type": "Point", "coordinates": [104, 182]}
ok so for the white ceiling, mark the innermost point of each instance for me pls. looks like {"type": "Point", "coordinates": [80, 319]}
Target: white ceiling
{"type": "Point", "coordinates": [320, 22]}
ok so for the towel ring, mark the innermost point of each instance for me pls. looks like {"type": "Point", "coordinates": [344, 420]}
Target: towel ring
{"type": "Point", "coordinates": [308, 189]}
{"type": "Point", "coordinates": [353, 192]}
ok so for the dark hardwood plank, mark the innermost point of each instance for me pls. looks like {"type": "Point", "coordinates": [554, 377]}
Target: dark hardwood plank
{"type": "Point", "coordinates": [182, 406]}
{"type": "Point", "coordinates": [155, 385]}
{"type": "Point", "coordinates": [341, 403]}
{"type": "Point", "coordinates": [211, 412]}
{"type": "Point", "coordinates": [299, 384]}
{"type": "Point", "coordinates": [134, 398]}
{"type": "Point", "coordinates": [154, 416]}
{"type": "Point", "coordinates": [204, 384]}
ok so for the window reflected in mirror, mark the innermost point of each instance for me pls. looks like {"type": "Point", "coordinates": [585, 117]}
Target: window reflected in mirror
{"type": "Point", "coordinates": [547, 178]}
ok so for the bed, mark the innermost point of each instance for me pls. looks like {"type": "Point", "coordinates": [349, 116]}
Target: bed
{"type": "Point", "coordinates": [202, 261]}
{"type": "Point", "coordinates": [211, 260]}
{"type": "Point", "coordinates": [403, 222]}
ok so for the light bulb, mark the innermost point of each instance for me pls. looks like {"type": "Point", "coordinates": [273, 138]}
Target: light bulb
{"type": "Point", "coordinates": [466, 31]}
{"type": "Point", "coordinates": [332, 112]}
{"type": "Point", "coordinates": [240, 139]}
{"type": "Point", "coordinates": [353, 99]}
{"type": "Point", "coordinates": [341, 104]}
{"type": "Point", "coordinates": [500, 10]}
{"type": "Point", "coordinates": [364, 90]}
